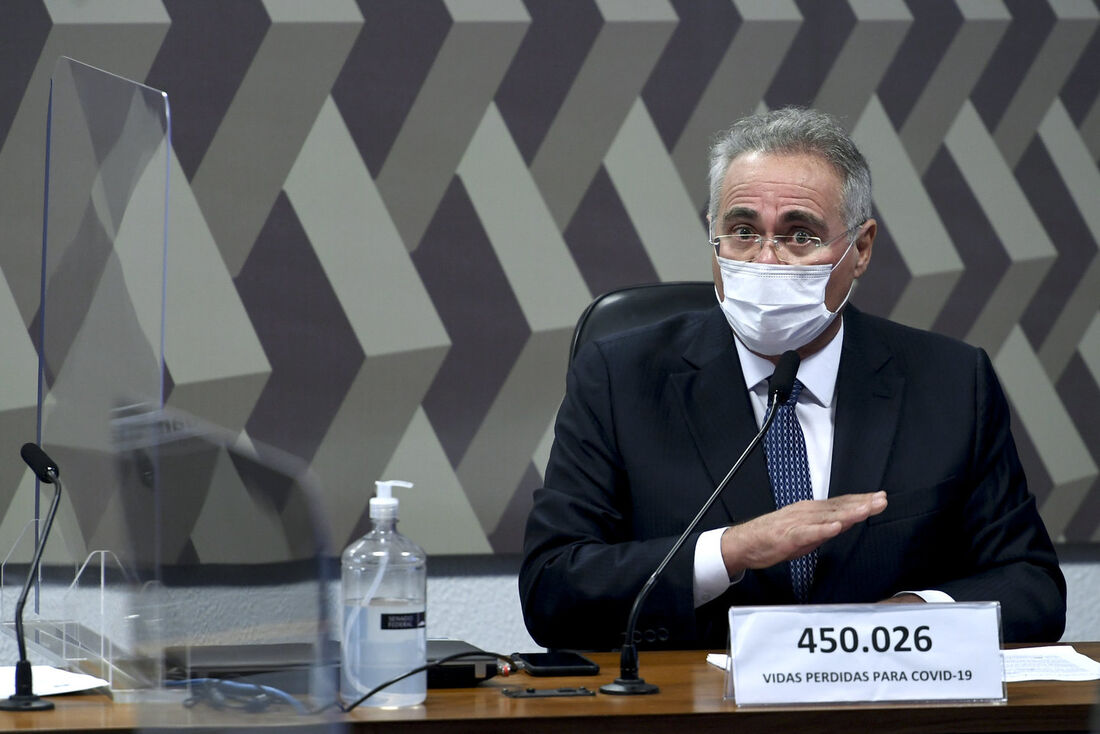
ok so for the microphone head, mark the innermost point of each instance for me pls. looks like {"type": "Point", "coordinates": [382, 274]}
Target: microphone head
{"type": "Point", "coordinates": [41, 464]}
{"type": "Point", "coordinates": [782, 380]}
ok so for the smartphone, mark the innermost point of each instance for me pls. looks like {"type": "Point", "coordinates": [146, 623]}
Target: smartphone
{"type": "Point", "coordinates": [557, 662]}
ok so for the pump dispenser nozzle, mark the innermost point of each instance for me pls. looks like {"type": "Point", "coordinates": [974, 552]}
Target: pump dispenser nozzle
{"type": "Point", "coordinates": [384, 504]}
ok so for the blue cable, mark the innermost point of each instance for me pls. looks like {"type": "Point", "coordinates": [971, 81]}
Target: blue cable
{"type": "Point", "coordinates": [249, 693]}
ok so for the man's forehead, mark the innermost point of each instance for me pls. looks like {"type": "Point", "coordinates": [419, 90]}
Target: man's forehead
{"type": "Point", "coordinates": [809, 170]}
{"type": "Point", "coordinates": [783, 160]}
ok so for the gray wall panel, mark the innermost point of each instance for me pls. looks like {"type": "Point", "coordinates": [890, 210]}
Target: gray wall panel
{"type": "Point", "coordinates": [448, 253]}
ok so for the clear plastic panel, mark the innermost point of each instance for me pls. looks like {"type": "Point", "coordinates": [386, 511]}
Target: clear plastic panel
{"type": "Point", "coordinates": [251, 620]}
{"type": "Point", "coordinates": [44, 638]}
{"type": "Point", "coordinates": [99, 332]}
{"type": "Point", "coordinates": [138, 607]}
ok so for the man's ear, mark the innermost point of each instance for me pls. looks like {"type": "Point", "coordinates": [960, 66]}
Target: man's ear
{"type": "Point", "coordinates": [864, 244]}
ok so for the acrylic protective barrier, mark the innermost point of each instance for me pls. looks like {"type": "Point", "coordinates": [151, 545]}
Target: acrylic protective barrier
{"type": "Point", "coordinates": [136, 599]}
{"type": "Point", "coordinates": [98, 331]}
{"type": "Point", "coordinates": [264, 623]}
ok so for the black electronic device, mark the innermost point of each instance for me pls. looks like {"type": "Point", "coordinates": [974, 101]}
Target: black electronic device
{"type": "Point", "coordinates": [467, 671]}
{"type": "Point", "coordinates": [547, 692]}
{"type": "Point", "coordinates": [287, 665]}
{"type": "Point", "coordinates": [24, 698]}
{"type": "Point", "coordinates": [629, 683]}
{"type": "Point", "coordinates": [556, 662]}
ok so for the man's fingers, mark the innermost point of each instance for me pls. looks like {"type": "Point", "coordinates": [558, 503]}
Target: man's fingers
{"type": "Point", "coordinates": [868, 504]}
{"type": "Point", "coordinates": [796, 529]}
{"type": "Point", "coordinates": [847, 509]}
{"type": "Point", "coordinates": [816, 532]}
{"type": "Point", "coordinates": [805, 538]}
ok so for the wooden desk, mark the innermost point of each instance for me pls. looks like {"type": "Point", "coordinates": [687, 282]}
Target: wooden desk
{"type": "Point", "coordinates": [690, 700]}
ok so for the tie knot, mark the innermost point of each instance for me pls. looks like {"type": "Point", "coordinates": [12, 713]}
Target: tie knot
{"type": "Point", "coordinates": [796, 388]}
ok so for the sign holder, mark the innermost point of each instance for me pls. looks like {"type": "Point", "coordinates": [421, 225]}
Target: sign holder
{"type": "Point", "coordinates": [865, 653]}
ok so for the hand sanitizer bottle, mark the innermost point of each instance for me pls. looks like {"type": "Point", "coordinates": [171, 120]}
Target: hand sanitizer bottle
{"type": "Point", "coordinates": [384, 589]}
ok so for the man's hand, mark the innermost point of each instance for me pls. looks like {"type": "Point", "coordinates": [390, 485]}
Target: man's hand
{"type": "Point", "coordinates": [794, 530]}
{"type": "Point", "coordinates": [903, 599]}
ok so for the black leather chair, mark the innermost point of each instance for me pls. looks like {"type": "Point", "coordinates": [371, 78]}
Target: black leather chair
{"type": "Point", "coordinates": [638, 305]}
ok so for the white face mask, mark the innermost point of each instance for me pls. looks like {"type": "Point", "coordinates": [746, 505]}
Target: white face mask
{"type": "Point", "coordinates": [773, 308]}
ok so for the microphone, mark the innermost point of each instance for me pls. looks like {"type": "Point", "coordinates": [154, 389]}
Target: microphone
{"type": "Point", "coordinates": [629, 683]}
{"type": "Point", "coordinates": [24, 699]}
{"type": "Point", "coordinates": [781, 382]}
{"type": "Point", "coordinates": [42, 465]}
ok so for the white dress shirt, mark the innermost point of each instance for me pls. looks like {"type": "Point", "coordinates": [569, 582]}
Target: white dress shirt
{"type": "Point", "coordinates": [816, 415]}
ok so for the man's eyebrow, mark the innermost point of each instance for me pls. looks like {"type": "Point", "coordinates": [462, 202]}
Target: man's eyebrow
{"type": "Point", "coordinates": [739, 212]}
{"type": "Point", "coordinates": [800, 215]}
{"type": "Point", "coordinates": [794, 215]}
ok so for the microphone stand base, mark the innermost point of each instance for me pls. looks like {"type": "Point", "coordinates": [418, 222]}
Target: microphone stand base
{"type": "Point", "coordinates": [25, 703]}
{"type": "Point", "coordinates": [628, 687]}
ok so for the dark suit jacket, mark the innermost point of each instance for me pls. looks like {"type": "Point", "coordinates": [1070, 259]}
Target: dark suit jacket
{"type": "Point", "coordinates": [653, 419]}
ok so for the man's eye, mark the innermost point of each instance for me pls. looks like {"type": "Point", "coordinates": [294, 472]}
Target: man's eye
{"type": "Point", "coordinates": [742, 233]}
{"type": "Point", "coordinates": [801, 237]}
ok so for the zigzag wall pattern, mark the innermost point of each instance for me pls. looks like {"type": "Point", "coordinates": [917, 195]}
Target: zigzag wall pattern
{"type": "Point", "coordinates": [386, 215]}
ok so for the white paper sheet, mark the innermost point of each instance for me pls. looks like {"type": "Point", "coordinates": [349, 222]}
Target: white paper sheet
{"type": "Point", "coordinates": [48, 681]}
{"type": "Point", "coordinates": [1054, 662]}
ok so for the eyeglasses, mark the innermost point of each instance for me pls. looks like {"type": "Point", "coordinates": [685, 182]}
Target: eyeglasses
{"type": "Point", "coordinates": [798, 248]}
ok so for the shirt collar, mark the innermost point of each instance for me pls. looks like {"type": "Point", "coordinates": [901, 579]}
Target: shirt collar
{"type": "Point", "coordinates": [817, 373]}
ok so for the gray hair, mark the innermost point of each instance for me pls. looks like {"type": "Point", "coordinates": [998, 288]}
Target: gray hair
{"type": "Point", "coordinates": [796, 130]}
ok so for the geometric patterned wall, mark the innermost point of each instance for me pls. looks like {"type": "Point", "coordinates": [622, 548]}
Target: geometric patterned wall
{"type": "Point", "coordinates": [386, 215]}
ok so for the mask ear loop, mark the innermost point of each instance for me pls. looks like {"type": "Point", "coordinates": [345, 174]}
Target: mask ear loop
{"type": "Point", "coordinates": [851, 242]}
{"type": "Point", "coordinates": [844, 303]}
{"type": "Point", "coordinates": [714, 248]}
{"type": "Point", "coordinates": [846, 251]}
{"type": "Point", "coordinates": [851, 287]}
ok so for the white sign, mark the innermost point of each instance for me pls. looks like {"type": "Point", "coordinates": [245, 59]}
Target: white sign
{"type": "Point", "coordinates": [848, 653]}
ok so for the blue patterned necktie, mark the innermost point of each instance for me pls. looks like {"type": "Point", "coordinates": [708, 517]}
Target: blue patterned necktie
{"type": "Point", "coordinates": [785, 448]}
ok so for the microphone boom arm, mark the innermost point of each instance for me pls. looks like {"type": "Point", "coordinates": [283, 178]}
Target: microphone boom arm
{"type": "Point", "coordinates": [41, 546]}
{"type": "Point", "coordinates": [628, 681]}
{"type": "Point", "coordinates": [24, 698]}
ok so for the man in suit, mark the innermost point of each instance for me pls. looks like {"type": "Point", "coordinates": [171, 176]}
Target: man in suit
{"type": "Point", "coordinates": [895, 477]}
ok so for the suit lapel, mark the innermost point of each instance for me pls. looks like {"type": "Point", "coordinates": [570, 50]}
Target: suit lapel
{"type": "Point", "coordinates": [721, 422]}
{"type": "Point", "coordinates": [869, 394]}
{"type": "Point", "coordinates": [720, 419]}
